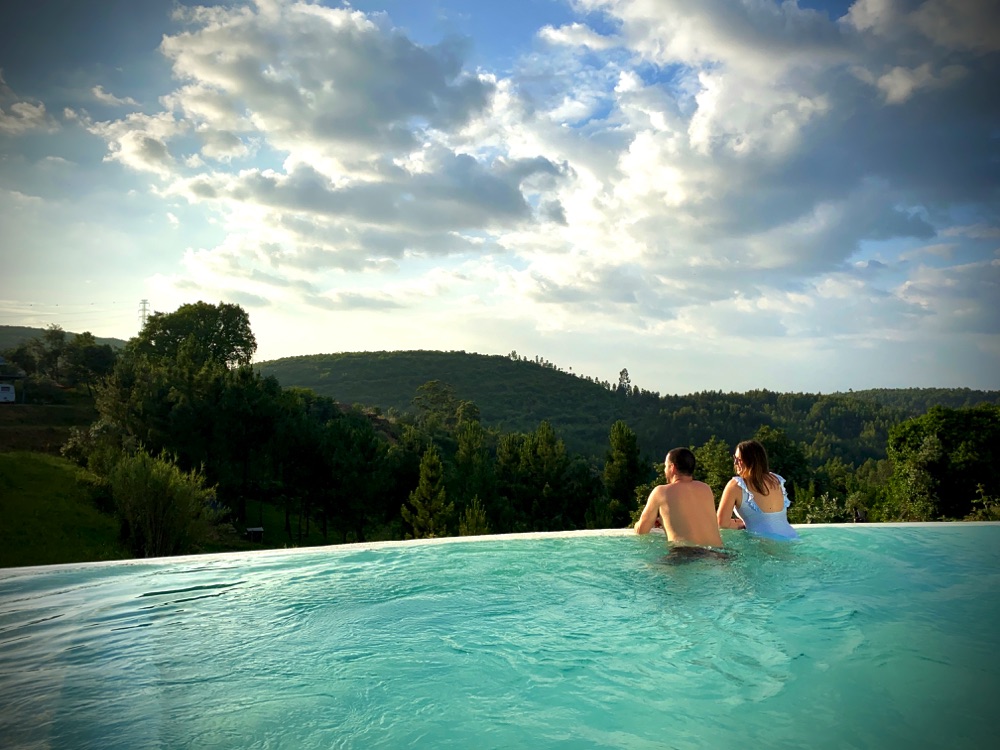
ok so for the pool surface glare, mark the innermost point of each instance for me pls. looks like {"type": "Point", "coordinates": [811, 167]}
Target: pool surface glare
{"type": "Point", "coordinates": [856, 636]}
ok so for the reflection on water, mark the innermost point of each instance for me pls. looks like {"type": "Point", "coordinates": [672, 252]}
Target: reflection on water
{"type": "Point", "coordinates": [850, 637]}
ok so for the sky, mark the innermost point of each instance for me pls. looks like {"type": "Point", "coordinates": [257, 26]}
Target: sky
{"type": "Point", "coordinates": [722, 195]}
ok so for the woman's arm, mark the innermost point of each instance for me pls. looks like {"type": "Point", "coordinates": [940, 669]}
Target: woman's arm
{"type": "Point", "coordinates": [730, 497]}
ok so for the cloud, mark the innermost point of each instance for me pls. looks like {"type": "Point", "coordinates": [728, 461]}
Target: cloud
{"type": "Point", "coordinates": [576, 34]}
{"type": "Point", "coordinates": [725, 170]}
{"type": "Point", "coordinates": [18, 116]}
{"type": "Point", "coordinates": [321, 82]}
{"type": "Point", "coordinates": [900, 83]}
{"type": "Point", "coordinates": [340, 301]}
{"type": "Point", "coordinates": [140, 141]}
{"type": "Point", "coordinates": [105, 97]}
{"type": "Point", "coordinates": [967, 25]}
{"type": "Point", "coordinates": [960, 299]}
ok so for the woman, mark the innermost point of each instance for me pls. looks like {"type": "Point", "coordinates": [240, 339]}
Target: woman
{"type": "Point", "coordinates": [756, 494]}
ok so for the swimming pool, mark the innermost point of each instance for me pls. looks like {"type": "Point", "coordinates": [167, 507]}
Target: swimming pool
{"type": "Point", "coordinates": [857, 636]}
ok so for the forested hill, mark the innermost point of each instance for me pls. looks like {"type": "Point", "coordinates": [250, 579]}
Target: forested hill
{"type": "Point", "coordinates": [511, 395]}
{"type": "Point", "coordinates": [12, 336]}
{"type": "Point", "coordinates": [515, 394]}
{"type": "Point", "coordinates": [917, 401]}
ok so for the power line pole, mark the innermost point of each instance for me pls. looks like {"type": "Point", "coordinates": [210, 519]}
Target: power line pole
{"type": "Point", "coordinates": [143, 313]}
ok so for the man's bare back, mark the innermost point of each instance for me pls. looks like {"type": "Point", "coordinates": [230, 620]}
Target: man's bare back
{"type": "Point", "coordinates": [684, 506]}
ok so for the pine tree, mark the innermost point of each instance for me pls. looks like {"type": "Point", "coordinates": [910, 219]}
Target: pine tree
{"type": "Point", "coordinates": [623, 471]}
{"type": "Point", "coordinates": [428, 511]}
{"type": "Point", "coordinates": [473, 521]}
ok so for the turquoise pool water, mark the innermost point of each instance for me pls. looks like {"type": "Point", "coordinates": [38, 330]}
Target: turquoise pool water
{"type": "Point", "coordinates": [865, 637]}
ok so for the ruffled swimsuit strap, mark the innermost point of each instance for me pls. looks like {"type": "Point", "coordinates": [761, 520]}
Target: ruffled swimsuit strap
{"type": "Point", "coordinates": [748, 495]}
{"type": "Point", "coordinates": [784, 493]}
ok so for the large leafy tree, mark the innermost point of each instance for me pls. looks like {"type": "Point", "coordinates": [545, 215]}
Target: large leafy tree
{"type": "Point", "coordinates": [87, 361]}
{"type": "Point", "coordinates": [211, 333]}
{"type": "Point", "coordinates": [437, 405]}
{"type": "Point", "coordinates": [714, 464]}
{"type": "Point", "coordinates": [941, 458]}
{"type": "Point", "coordinates": [43, 355]}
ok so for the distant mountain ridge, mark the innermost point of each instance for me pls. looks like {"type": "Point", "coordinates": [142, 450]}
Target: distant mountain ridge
{"type": "Point", "coordinates": [11, 336]}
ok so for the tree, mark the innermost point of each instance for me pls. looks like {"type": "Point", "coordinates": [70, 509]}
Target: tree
{"type": "Point", "coordinates": [217, 333]}
{"type": "Point", "coordinates": [243, 413]}
{"type": "Point", "coordinates": [623, 471]}
{"type": "Point", "coordinates": [785, 457]}
{"type": "Point", "coordinates": [624, 383]}
{"type": "Point", "coordinates": [944, 456]}
{"type": "Point", "coordinates": [916, 482]}
{"type": "Point", "coordinates": [41, 356]}
{"type": "Point", "coordinates": [473, 521]}
{"type": "Point", "coordinates": [474, 475]}
{"type": "Point", "coordinates": [87, 361]}
{"type": "Point", "coordinates": [438, 405]}
{"type": "Point", "coordinates": [714, 464]}
{"type": "Point", "coordinates": [428, 510]}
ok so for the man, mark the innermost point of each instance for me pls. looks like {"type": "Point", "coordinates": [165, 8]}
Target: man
{"type": "Point", "coordinates": [685, 508]}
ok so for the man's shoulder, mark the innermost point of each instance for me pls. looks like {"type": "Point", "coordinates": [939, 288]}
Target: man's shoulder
{"type": "Point", "coordinates": [685, 488]}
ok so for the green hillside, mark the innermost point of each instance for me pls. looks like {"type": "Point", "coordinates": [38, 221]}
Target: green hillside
{"type": "Point", "coordinates": [49, 515]}
{"type": "Point", "coordinates": [515, 395]}
{"type": "Point", "coordinates": [916, 401]}
{"type": "Point", "coordinates": [511, 395]}
{"type": "Point", "coordinates": [11, 336]}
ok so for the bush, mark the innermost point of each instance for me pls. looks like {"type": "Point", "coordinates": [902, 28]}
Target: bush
{"type": "Point", "coordinates": [823, 509]}
{"type": "Point", "coordinates": [162, 510]}
{"type": "Point", "coordinates": [984, 507]}
{"type": "Point", "coordinates": [38, 389]}
{"type": "Point", "coordinates": [98, 447]}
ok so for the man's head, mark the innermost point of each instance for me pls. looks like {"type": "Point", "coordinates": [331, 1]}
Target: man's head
{"type": "Point", "coordinates": [683, 461]}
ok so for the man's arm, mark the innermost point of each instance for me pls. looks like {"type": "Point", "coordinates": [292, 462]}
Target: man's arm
{"type": "Point", "coordinates": [726, 506]}
{"type": "Point", "coordinates": [650, 513]}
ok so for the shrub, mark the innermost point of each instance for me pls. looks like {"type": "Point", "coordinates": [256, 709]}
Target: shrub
{"type": "Point", "coordinates": [162, 510]}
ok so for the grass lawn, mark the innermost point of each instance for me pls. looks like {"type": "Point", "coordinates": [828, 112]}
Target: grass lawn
{"type": "Point", "coordinates": [47, 515]}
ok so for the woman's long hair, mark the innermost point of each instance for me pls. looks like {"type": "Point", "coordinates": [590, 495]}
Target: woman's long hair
{"type": "Point", "coordinates": [754, 468]}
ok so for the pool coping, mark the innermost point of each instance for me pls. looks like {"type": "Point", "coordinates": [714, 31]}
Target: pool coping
{"type": "Point", "coordinates": [365, 546]}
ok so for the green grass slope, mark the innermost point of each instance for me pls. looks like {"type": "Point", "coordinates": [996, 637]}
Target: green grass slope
{"type": "Point", "coordinates": [48, 515]}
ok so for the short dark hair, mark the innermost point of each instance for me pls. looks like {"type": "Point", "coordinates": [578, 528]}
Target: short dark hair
{"type": "Point", "coordinates": [683, 460]}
